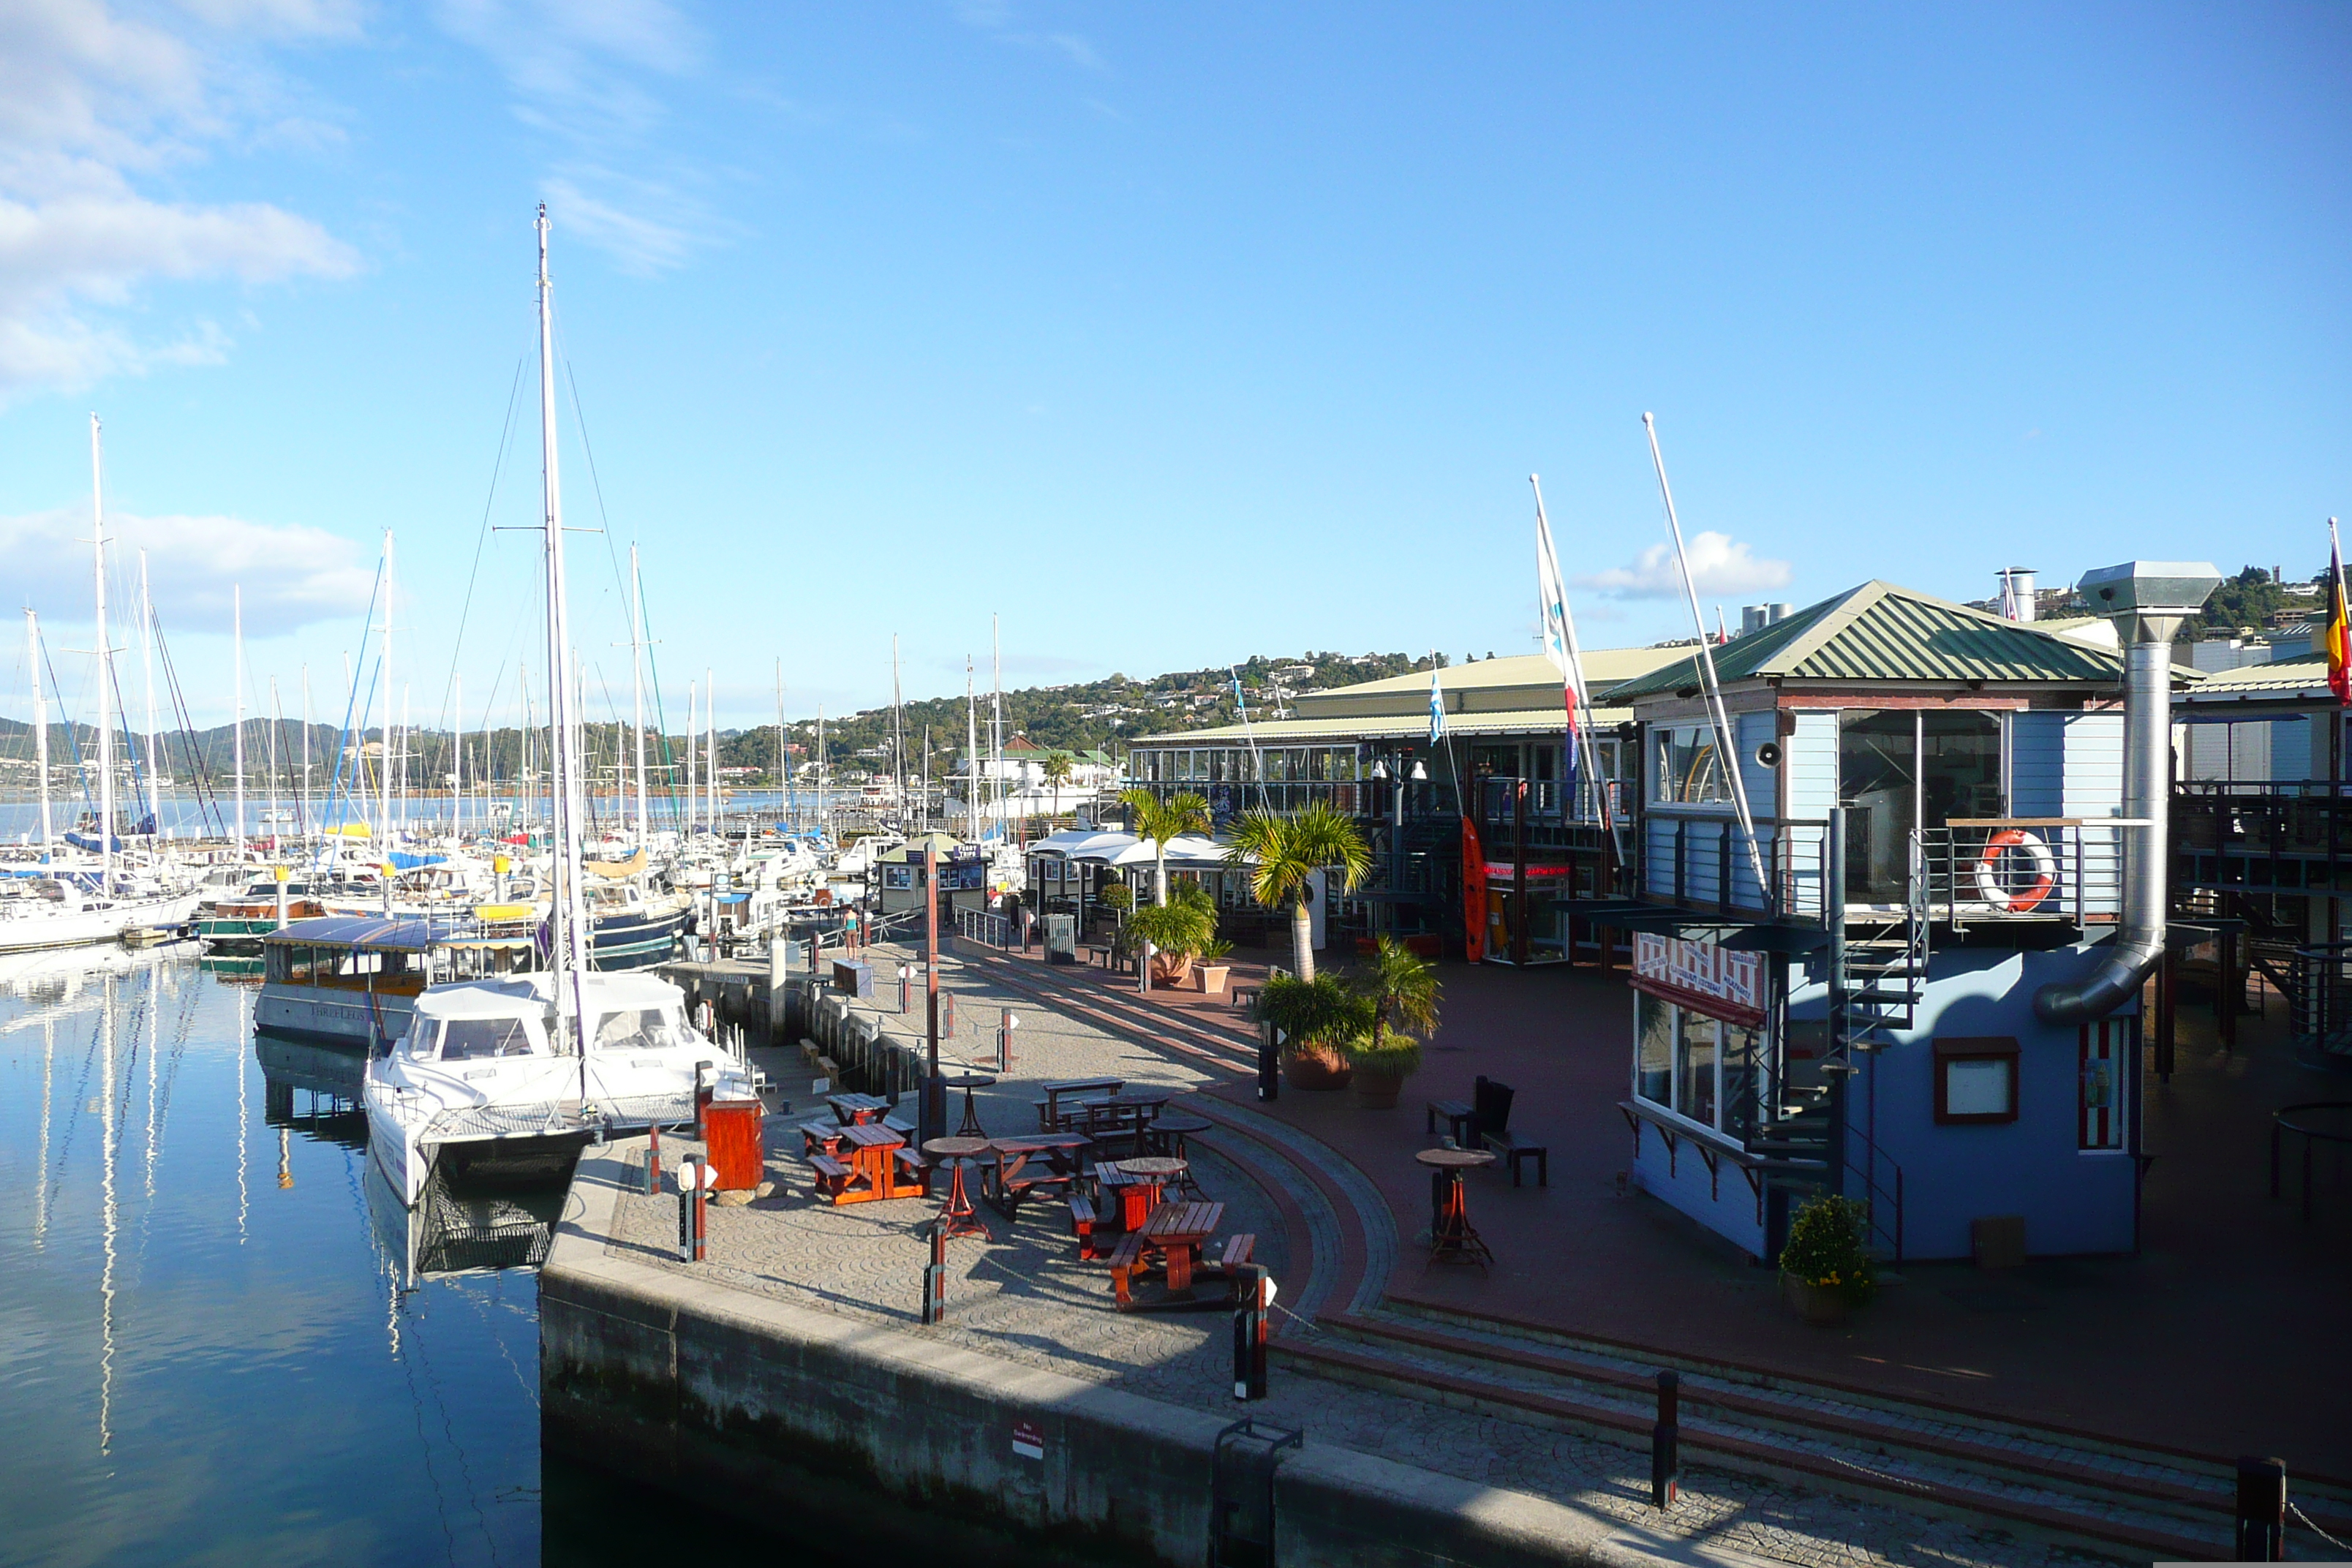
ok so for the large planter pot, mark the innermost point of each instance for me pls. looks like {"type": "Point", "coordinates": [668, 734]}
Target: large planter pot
{"type": "Point", "coordinates": [1823, 1304]}
{"type": "Point", "coordinates": [1169, 971]}
{"type": "Point", "coordinates": [1309, 1067]}
{"type": "Point", "coordinates": [1211, 977]}
{"type": "Point", "coordinates": [1377, 1090]}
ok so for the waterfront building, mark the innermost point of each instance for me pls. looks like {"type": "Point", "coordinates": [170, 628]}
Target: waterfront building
{"type": "Point", "coordinates": [1500, 764]}
{"type": "Point", "coordinates": [1918, 982]}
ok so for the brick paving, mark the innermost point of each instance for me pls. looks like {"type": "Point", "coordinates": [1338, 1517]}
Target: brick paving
{"type": "Point", "coordinates": [1023, 1297]}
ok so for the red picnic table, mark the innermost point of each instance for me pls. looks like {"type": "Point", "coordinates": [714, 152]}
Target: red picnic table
{"type": "Point", "coordinates": [867, 1168]}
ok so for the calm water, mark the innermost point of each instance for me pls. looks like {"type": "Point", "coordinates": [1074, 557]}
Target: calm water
{"type": "Point", "coordinates": [205, 1352]}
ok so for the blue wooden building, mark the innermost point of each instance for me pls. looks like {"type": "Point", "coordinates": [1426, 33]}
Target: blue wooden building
{"type": "Point", "coordinates": [1914, 976]}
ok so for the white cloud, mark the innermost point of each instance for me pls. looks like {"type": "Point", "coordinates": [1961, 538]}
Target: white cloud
{"type": "Point", "coordinates": [90, 101]}
{"type": "Point", "coordinates": [577, 69]}
{"type": "Point", "coordinates": [292, 575]}
{"type": "Point", "coordinates": [1719, 563]}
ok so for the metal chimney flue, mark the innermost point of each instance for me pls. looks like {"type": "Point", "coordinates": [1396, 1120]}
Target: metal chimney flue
{"type": "Point", "coordinates": [2148, 600]}
{"type": "Point", "coordinates": [2017, 590]}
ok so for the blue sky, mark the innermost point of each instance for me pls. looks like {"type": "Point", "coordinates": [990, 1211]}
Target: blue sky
{"type": "Point", "coordinates": [1169, 334]}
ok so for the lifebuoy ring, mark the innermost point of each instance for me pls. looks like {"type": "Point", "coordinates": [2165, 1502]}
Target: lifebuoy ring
{"type": "Point", "coordinates": [1997, 848]}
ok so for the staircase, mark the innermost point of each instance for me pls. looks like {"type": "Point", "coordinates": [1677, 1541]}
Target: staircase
{"type": "Point", "coordinates": [2106, 1496]}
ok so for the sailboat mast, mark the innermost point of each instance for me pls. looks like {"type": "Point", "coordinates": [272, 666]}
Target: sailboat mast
{"type": "Point", "coordinates": [236, 740]}
{"type": "Point", "coordinates": [569, 908]}
{"type": "Point", "coordinates": [638, 682]}
{"type": "Point", "coordinates": [996, 723]}
{"type": "Point", "coordinates": [710, 750]}
{"type": "Point", "coordinates": [105, 725]}
{"type": "Point", "coordinates": [783, 774]}
{"type": "Point", "coordinates": [898, 732]}
{"type": "Point", "coordinates": [384, 776]}
{"type": "Point", "coordinates": [693, 779]}
{"type": "Point", "coordinates": [147, 666]}
{"type": "Point", "coordinates": [457, 781]}
{"type": "Point", "coordinates": [971, 756]}
{"type": "Point", "coordinates": [305, 824]}
{"type": "Point", "coordinates": [277, 725]}
{"type": "Point", "coordinates": [40, 726]}
{"type": "Point", "coordinates": [823, 790]}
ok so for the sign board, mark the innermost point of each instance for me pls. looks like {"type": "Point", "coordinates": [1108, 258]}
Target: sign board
{"type": "Point", "coordinates": [1028, 1440]}
{"type": "Point", "coordinates": [1701, 976]}
{"type": "Point", "coordinates": [1508, 871]}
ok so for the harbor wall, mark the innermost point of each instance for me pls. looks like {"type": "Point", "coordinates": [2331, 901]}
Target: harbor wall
{"type": "Point", "coordinates": [745, 1401]}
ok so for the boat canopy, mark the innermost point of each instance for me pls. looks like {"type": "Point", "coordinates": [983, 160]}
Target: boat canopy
{"type": "Point", "coordinates": [482, 999]}
{"type": "Point", "coordinates": [379, 933]}
{"type": "Point", "coordinates": [403, 860]}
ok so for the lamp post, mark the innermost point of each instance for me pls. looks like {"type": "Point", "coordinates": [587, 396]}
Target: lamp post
{"type": "Point", "coordinates": [1401, 778]}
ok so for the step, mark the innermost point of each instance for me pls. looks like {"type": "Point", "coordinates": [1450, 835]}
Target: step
{"type": "Point", "coordinates": [2044, 1485]}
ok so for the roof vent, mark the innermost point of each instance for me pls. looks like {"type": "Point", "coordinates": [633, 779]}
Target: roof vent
{"type": "Point", "coordinates": [2148, 600]}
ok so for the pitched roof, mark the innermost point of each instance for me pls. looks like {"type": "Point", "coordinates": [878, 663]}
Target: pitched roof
{"type": "Point", "coordinates": [2298, 678]}
{"type": "Point", "coordinates": [1878, 632]}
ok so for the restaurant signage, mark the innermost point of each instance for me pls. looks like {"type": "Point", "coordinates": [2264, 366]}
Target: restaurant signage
{"type": "Point", "coordinates": [1701, 976]}
{"type": "Point", "coordinates": [1508, 871]}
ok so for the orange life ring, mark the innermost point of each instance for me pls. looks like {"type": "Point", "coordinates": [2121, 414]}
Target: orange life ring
{"type": "Point", "coordinates": [2018, 900]}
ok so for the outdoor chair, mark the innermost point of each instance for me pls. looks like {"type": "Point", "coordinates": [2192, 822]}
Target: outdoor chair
{"type": "Point", "coordinates": [1490, 1128]}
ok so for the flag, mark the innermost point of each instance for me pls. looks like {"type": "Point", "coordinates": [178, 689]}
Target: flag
{"type": "Point", "coordinates": [1436, 705]}
{"type": "Point", "coordinates": [2340, 624]}
{"type": "Point", "coordinates": [1559, 637]}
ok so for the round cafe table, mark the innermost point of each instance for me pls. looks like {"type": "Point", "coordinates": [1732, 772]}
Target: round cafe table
{"type": "Point", "coordinates": [1451, 1237]}
{"type": "Point", "coordinates": [957, 1216]}
{"type": "Point", "coordinates": [1147, 1183]}
{"type": "Point", "coordinates": [968, 1082]}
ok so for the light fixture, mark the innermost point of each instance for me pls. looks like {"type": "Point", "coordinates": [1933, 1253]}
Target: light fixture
{"type": "Point", "coordinates": [1379, 768]}
{"type": "Point", "coordinates": [1420, 773]}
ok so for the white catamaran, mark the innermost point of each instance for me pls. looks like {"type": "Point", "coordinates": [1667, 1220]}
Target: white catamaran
{"type": "Point", "coordinates": [498, 1067]}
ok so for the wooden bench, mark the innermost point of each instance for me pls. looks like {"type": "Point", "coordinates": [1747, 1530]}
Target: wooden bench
{"type": "Point", "coordinates": [820, 1138]}
{"type": "Point", "coordinates": [1237, 1250]}
{"type": "Point", "coordinates": [1490, 1124]}
{"type": "Point", "coordinates": [1050, 1110]}
{"type": "Point", "coordinates": [1455, 1113]}
{"type": "Point", "coordinates": [1126, 1259]}
{"type": "Point", "coordinates": [1082, 1225]}
{"type": "Point", "coordinates": [831, 1176]}
{"type": "Point", "coordinates": [1244, 997]}
{"type": "Point", "coordinates": [1516, 1153]}
{"type": "Point", "coordinates": [917, 1169]}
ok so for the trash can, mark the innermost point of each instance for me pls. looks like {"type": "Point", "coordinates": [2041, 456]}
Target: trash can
{"type": "Point", "coordinates": [855, 977]}
{"type": "Point", "coordinates": [1061, 939]}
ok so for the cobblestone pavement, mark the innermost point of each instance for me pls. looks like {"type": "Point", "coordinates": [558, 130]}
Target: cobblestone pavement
{"type": "Point", "coordinates": [1024, 1296]}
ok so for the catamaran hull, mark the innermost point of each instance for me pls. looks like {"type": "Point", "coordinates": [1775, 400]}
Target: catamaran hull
{"type": "Point", "coordinates": [635, 940]}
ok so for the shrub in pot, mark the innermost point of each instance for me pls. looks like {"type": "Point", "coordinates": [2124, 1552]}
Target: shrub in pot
{"type": "Point", "coordinates": [1319, 1020]}
{"type": "Point", "coordinates": [1177, 929]}
{"type": "Point", "coordinates": [1825, 1270]}
{"type": "Point", "coordinates": [1380, 1072]}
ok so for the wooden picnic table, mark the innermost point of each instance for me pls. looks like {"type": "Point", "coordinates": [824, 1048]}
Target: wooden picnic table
{"type": "Point", "coordinates": [872, 1157]}
{"type": "Point", "coordinates": [1451, 1237]}
{"type": "Point", "coordinates": [1175, 1231]}
{"type": "Point", "coordinates": [1059, 1159]}
{"type": "Point", "coordinates": [1125, 1113]}
{"type": "Point", "coordinates": [1138, 1185]}
{"type": "Point", "coordinates": [853, 1109]}
{"type": "Point", "coordinates": [1049, 1109]}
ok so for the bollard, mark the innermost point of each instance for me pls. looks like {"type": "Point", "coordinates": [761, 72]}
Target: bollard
{"type": "Point", "coordinates": [653, 1161]}
{"type": "Point", "coordinates": [935, 1277]}
{"type": "Point", "coordinates": [684, 1212]}
{"type": "Point", "coordinates": [906, 990]}
{"type": "Point", "coordinates": [1254, 1294]}
{"type": "Point", "coordinates": [1665, 1459]}
{"type": "Point", "coordinates": [701, 1224]}
{"type": "Point", "coordinates": [947, 1016]}
{"type": "Point", "coordinates": [2261, 1532]}
{"type": "Point", "coordinates": [1006, 1024]}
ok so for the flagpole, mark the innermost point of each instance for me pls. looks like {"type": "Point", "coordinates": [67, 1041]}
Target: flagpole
{"type": "Point", "coordinates": [1573, 691]}
{"type": "Point", "coordinates": [2339, 625]}
{"type": "Point", "coordinates": [1724, 747]}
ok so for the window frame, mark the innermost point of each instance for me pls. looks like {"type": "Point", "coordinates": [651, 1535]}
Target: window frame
{"type": "Point", "coordinates": [1953, 1049]}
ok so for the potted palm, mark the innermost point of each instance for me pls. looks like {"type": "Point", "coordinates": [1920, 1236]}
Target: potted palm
{"type": "Point", "coordinates": [1148, 817]}
{"type": "Point", "coordinates": [1281, 856]}
{"type": "Point", "coordinates": [1402, 989]}
{"type": "Point", "coordinates": [1319, 1020]}
{"type": "Point", "coordinates": [1825, 1270]}
{"type": "Point", "coordinates": [1178, 931]}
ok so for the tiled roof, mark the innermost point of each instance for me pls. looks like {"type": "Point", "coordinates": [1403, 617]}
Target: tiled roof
{"type": "Point", "coordinates": [1878, 632]}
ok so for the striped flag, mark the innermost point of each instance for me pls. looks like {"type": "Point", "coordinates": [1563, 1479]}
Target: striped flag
{"type": "Point", "coordinates": [1436, 705]}
{"type": "Point", "coordinates": [2340, 623]}
{"type": "Point", "coordinates": [1558, 634]}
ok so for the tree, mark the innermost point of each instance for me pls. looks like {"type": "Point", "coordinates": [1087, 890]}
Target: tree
{"type": "Point", "coordinates": [1148, 817]}
{"type": "Point", "coordinates": [1403, 988]}
{"type": "Point", "coordinates": [1057, 770]}
{"type": "Point", "coordinates": [2249, 599]}
{"type": "Point", "coordinates": [1282, 855]}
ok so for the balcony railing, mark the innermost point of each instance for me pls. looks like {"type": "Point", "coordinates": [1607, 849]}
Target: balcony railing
{"type": "Point", "coordinates": [2291, 835]}
{"type": "Point", "coordinates": [1697, 858]}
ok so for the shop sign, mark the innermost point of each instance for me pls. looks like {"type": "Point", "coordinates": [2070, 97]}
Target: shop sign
{"type": "Point", "coordinates": [1508, 871]}
{"type": "Point", "coordinates": [1701, 976]}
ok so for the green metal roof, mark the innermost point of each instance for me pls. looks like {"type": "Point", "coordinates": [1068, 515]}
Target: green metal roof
{"type": "Point", "coordinates": [1878, 632]}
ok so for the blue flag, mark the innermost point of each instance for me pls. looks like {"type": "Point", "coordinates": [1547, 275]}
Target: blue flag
{"type": "Point", "coordinates": [1436, 706]}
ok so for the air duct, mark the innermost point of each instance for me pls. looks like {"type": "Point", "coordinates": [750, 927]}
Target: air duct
{"type": "Point", "coordinates": [2148, 601]}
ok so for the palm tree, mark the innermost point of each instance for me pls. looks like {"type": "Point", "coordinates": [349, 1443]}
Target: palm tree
{"type": "Point", "coordinates": [1402, 986]}
{"type": "Point", "coordinates": [1148, 817]}
{"type": "Point", "coordinates": [1057, 770]}
{"type": "Point", "coordinates": [1282, 855]}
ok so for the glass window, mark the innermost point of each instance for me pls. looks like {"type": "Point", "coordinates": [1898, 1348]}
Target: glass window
{"type": "Point", "coordinates": [1878, 778]}
{"type": "Point", "coordinates": [1741, 1087]}
{"type": "Point", "coordinates": [1694, 1072]}
{"type": "Point", "coordinates": [1688, 768]}
{"type": "Point", "coordinates": [641, 1028]}
{"type": "Point", "coordinates": [472, 1039]}
{"type": "Point", "coordinates": [1654, 1068]}
{"type": "Point", "coordinates": [1959, 766]}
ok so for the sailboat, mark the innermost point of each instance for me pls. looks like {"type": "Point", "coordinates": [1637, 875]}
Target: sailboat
{"type": "Point", "coordinates": [109, 900]}
{"type": "Point", "coordinates": [515, 1067]}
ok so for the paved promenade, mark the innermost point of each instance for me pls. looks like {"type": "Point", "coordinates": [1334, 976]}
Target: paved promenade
{"type": "Point", "coordinates": [1023, 1298]}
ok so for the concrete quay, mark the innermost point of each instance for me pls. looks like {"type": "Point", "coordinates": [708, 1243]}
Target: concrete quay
{"type": "Point", "coordinates": [793, 1362]}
